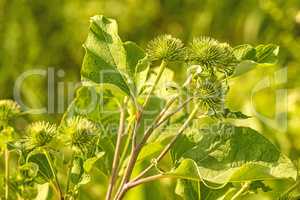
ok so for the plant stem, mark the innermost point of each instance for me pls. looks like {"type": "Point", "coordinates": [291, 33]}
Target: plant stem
{"type": "Point", "coordinates": [160, 72]}
{"type": "Point", "coordinates": [174, 112]}
{"type": "Point", "coordinates": [154, 125]}
{"type": "Point", "coordinates": [54, 175]}
{"type": "Point", "coordinates": [123, 190]}
{"type": "Point", "coordinates": [6, 172]}
{"type": "Point", "coordinates": [168, 147]}
{"type": "Point", "coordinates": [69, 173]}
{"type": "Point", "coordinates": [116, 159]}
{"type": "Point", "coordinates": [134, 149]}
{"type": "Point", "coordinates": [241, 191]}
{"type": "Point", "coordinates": [127, 144]}
{"type": "Point", "coordinates": [144, 180]}
{"type": "Point", "coordinates": [289, 190]}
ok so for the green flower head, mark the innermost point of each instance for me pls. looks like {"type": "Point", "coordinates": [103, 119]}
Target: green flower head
{"type": "Point", "coordinates": [8, 110]}
{"type": "Point", "coordinates": [209, 52]}
{"type": "Point", "coordinates": [166, 47]}
{"type": "Point", "coordinates": [210, 92]}
{"type": "Point", "coordinates": [41, 134]}
{"type": "Point", "coordinates": [80, 133]}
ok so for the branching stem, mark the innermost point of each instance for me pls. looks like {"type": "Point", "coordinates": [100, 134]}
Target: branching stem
{"type": "Point", "coordinates": [125, 187]}
{"type": "Point", "coordinates": [168, 147]}
{"type": "Point", "coordinates": [135, 149]}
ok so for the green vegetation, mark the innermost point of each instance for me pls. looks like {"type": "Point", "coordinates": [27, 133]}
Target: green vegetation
{"type": "Point", "coordinates": [162, 118]}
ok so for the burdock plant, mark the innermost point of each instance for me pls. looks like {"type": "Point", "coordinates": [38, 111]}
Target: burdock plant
{"type": "Point", "coordinates": [127, 134]}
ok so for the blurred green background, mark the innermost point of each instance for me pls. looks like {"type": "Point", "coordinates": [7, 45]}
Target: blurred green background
{"type": "Point", "coordinates": [38, 34]}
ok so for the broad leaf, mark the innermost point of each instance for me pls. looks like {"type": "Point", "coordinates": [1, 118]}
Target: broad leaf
{"type": "Point", "coordinates": [105, 59]}
{"type": "Point", "coordinates": [229, 154]}
{"type": "Point", "coordinates": [250, 57]}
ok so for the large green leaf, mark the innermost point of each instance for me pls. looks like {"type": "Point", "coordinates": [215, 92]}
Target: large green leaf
{"type": "Point", "coordinates": [250, 57]}
{"type": "Point", "coordinates": [229, 154]}
{"type": "Point", "coordinates": [105, 59]}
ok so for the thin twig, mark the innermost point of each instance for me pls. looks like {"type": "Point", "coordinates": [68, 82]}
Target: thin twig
{"type": "Point", "coordinates": [293, 187]}
{"type": "Point", "coordinates": [116, 159]}
{"type": "Point", "coordinates": [241, 191]}
{"type": "Point", "coordinates": [154, 125]}
{"type": "Point", "coordinates": [145, 180]}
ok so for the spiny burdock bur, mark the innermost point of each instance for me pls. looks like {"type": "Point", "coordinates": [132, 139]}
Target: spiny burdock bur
{"type": "Point", "coordinates": [41, 134]}
{"type": "Point", "coordinates": [209, 92]}
{"type": "Point", "coordinates": [166, 47]}
{"type": "Point", "coordinates": [8, 110]}
{"type": "Point", "coordinates": [80, 134]}
{"type": "Point", "coordinates": [212, 54]}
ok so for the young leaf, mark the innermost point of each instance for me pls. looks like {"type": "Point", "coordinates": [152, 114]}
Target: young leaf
{"type": "Point", "coordinates": [105, 58]}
